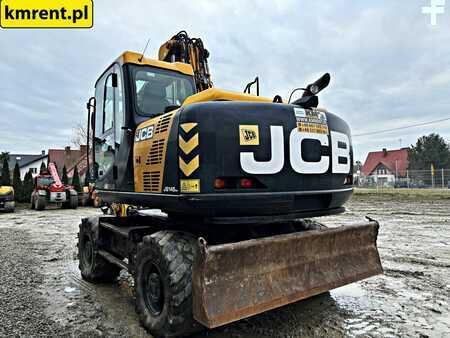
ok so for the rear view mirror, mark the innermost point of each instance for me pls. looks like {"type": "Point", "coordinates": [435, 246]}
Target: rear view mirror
{"type": "Point", "coordinates": [90, 106]}
{"type": "Point", "coordinates": [316, 87]}
{"type": "Point", "coordinates": [307, 102]}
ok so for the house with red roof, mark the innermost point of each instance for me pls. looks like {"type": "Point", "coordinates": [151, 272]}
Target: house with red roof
{"type": "Point", "coordinates": [386, 167]}
{"type": "Point", "coordinates": [70, 158]}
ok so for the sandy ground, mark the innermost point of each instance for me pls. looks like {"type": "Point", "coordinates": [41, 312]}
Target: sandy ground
{"type": "Point", "coordinates": [42, 293]}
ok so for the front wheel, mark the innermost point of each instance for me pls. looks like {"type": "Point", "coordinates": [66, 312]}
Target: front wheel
{"type": "Point", "coordinates": [94, 268]}
{"type": "Point", "coordinates": [40, 202]}
{"type": "Point", "coordinates": [163, 282]}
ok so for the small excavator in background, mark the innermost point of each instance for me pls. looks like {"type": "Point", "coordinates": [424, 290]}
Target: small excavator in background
{"type": "Point", "coordinates": [235, 177]}
{"type": "Point", "coordinates": [48, 189]}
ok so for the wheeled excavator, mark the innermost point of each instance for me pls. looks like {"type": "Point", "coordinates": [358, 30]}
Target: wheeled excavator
{"type": "Point", "coordinates": [213, 192]}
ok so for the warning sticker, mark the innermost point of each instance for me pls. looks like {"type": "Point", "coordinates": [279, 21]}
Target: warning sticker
{"type": "Point", "coordinates": [311, 121]}
{"type": "Point", "coordinates": [190, 186]}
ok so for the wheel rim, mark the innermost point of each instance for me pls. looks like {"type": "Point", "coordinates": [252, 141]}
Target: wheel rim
{"type": "Point", "coordinates": [88, 252]}
{"type": "Point", "coordinates": [153, 289]}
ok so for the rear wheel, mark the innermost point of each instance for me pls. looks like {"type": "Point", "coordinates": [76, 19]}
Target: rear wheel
{"type": "Point", "coordinates": [40, 202]}
{"type": "Point", "coordinates": [94, 268]}
{"type": "Point", "coordinates": [163, 282]}
{"type": "Point", "coordinates": [32, 203]}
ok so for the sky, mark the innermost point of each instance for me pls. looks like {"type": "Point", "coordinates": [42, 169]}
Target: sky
{"type": "Point", "coordinates": [390, 67]}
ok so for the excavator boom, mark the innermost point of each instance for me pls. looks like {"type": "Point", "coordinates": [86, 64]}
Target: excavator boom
{"type": "Point", "coordinates": [181, 48]}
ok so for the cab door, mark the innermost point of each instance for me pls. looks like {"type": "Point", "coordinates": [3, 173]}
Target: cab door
{"type": "Point", "coordinates": [108, 123]}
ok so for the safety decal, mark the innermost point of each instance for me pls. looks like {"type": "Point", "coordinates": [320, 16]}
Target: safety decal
{"type": "Point", "coordinates": [311, 121]}
{"type": "Point", "coordinates": [189, 167]}
{"type": "Point", "coordinates": [189, 159]}
{"type": "Point", "coordinates": [189, 145]}
{"type": "Point", "coordinates": [190, 186]}
{"type": "Point", "coordinates": [248, 135]}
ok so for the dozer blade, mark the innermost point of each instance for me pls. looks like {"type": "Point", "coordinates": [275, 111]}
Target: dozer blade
{"type": "Point", "coordinates": [238, 280]}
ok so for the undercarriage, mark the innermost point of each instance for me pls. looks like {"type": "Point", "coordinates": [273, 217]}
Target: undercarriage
{"type": "Point", "coordinates": [212, 274]}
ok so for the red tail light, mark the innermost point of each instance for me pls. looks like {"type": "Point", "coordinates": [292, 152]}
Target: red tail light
{"type": "Point", "coordinates": [246, 183]}
{"type": "Point", "coordinates": [219, 183]}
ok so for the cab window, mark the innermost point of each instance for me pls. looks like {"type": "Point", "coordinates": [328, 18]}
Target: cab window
{"type": "Point", "coordinates": [155, 89]}
{"type": "Point", "coordinates": [119, 115]}
{"type": "Point", "coordinates": [108, 105]}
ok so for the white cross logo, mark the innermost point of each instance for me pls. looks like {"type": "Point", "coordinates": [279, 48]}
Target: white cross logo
{"type": "Point", "coordinates": [436, 7]}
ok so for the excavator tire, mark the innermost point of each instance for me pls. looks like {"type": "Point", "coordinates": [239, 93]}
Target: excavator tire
{"type": "Point", "coordinates": [94, 268]}
{"type": "Point", "coordinates": [40, 202]}
{"type": "Point", "coordinates": [163, 283]}
{"type": "Point", "coordinates": [32, 205]}
{"type": "Point", "coordinates": [73, 202]}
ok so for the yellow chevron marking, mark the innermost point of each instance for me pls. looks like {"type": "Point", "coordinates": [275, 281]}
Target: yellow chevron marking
{"type": "Point", "coordinates": [188, 146]}
{"type": "Point", "coordinates": [188, 126]}
{"type": "Point", "coordinates": [189, 168]}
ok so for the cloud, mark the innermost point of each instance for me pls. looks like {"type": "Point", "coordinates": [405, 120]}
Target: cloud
{"type": "Point", "coordinates": [389, 66]}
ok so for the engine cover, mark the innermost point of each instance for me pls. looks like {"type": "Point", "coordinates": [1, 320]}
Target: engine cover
{"type": "Point", "coordinates": [294, 160]}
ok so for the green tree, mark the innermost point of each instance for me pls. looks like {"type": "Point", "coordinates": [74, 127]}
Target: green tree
{"type": "Point", "coordinates": [17, 183]}
{"type": "Point", "coordinates": [431, 149]}
{"type": "Point", "coordinates": [64, 178]}
{"type": "Point", "coordinates": [4, 155]}
{"type": "Point", "coordinates": [6, 175]}
{"type": "Point", "coordinates": [28, 186]}
{"type": "Point", "coordinates": [43, 167]}
{"type": "Point", "coordinates": [76, 180]}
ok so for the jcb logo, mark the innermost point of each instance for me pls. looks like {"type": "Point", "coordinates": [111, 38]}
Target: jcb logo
{"type": "Point", "coordinates": [340, 154]}
{"type": "Point", "coordinates": [248, 135]}
{"type": "Point", "coordinates": [144, 133]}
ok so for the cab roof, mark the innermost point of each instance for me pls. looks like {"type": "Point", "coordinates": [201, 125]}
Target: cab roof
{"type": "Point", "coordinates": [137, 59]}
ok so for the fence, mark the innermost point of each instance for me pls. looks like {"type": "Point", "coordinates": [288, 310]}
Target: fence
{"type": "Point", "coordinates": [437, 179]}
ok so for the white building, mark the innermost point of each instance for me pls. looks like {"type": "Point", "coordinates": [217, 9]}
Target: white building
{"type": "Point", "coordinates": [27, 162]}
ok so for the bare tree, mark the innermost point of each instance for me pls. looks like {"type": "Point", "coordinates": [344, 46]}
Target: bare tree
{"type": "Point", "coordinates": [79, 134]}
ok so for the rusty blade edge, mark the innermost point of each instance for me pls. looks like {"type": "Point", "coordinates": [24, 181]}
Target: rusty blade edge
{"type": "Point", "coordinates": [288, 237]}
{"type": "Point", "coordinates": [277, 302]}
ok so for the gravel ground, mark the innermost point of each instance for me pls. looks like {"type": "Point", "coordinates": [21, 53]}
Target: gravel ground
{"type": "Point", "coordinates": [22, 306]}
{"type": "Point", "coordinates": [42, 293]}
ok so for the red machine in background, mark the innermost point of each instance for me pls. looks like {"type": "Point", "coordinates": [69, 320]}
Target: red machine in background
{"type": "Point", "coordinates": [48, 188]}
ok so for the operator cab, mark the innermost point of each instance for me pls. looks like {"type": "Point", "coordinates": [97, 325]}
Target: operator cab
{"type": "Point", "coordinates": [132, 90]}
